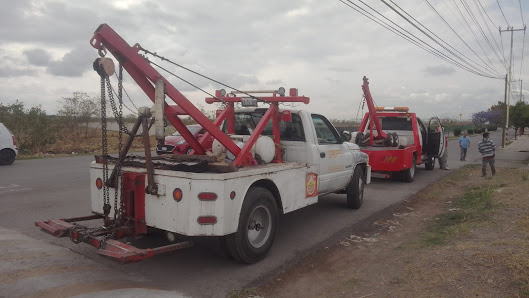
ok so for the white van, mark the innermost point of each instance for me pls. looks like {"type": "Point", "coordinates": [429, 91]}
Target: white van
{"type": "Point", "coordinates": [8, 146]}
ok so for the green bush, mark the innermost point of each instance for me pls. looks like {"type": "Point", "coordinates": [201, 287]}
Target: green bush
{"type": "Point", "coordinates": [457, 132]}
{"type": "Point", "coordinates": [470, 131]}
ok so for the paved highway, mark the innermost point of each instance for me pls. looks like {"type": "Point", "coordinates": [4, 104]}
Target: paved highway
{"type": "Point", "coordinates": [32, 190]}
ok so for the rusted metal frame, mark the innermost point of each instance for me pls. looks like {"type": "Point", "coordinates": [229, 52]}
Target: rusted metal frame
{"type": "Point", "coordinates": [112, 181]}
{"type": "Point", "coordinates": [106, 36]}
{"type": "Point", "coordinates": [124, 253]}
{"type": "Point", "coordinates": [151, 186]}
{"type": "Point", "coordinates": [244, 158]}
{"type": "Point", "coordinates": [372, 110]}
{"type": "Point", "coordinates": [147, 87]}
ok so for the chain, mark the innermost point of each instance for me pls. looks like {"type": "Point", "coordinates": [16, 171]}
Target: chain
{"type": "Point", "coordinates": [104, 149]}
{"type": "Point", "coordinates": [120, 143]}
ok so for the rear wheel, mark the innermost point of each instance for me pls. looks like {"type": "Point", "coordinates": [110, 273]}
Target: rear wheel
{"type": "Point", "coordinates": [7, 157]}
{"type": "Point", "coordinates": [355, 189]}
{"type": "Point", "coordinates": [409, 174]}
{"type": "Point", "coordinates": [257, 227]}
{"type": "Point", "coordinates": [189, 150]}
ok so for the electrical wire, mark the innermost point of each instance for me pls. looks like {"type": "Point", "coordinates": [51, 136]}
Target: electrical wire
{"type": "Point", "coordinates": [432, 51]}
{"type": "Point", "coordinates": [414, 25]}
{"type": "Point", "coordinates": [470, 28]}
{"type": "Point", "coordinates": [503, 13]}
{"type": "Point", "coordinates": [457, 34]}
{"type": "Point", "coordinates": [521, 61]}
{"type": "Point", "coordinates": [474, 19]}
{"type": "Point", "coordinates": [504, 61]}
{"type": "Point", "coordinates": [521, 11]}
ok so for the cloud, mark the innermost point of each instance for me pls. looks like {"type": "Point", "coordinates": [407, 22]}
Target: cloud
{"type": "Point", "coordinates": [439, 70]}
{"type": "Point", "coordinates": [7, 71]}
{"type": "Point", "coordinates": [38, 57]}
{"type": "Point", "coordinates": [73, 63]}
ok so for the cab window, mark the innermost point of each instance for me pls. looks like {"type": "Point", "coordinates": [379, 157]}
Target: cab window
{"type": "Point", "coordinates": [325, 132]}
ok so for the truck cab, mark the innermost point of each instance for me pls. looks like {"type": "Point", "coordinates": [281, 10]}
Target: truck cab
{"type": "Point", "coordinates": [397, 140]}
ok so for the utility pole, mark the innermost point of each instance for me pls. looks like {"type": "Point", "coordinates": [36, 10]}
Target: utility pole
{"type": "Point", "coordinates": [508, 95]}
{"type": "Point", "coordinates": [503, 129]}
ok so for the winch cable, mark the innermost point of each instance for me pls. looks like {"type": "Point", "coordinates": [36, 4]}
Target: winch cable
{"type": "Point", "coordinates": [198, 74]}
{"type": "Point", "coordinates": [166, 70]}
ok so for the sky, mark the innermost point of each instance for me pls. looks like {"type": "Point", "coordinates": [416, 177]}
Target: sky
{"type": "Point", "coordinates": [323, 48]}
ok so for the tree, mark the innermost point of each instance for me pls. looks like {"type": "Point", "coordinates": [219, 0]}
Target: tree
{"type": "Point", "coordinates": [520, 115]}
{"type": "Point", "coordinates": [32, 128]}
{"type": "Point", "coordinates": [78, 110]}
{"type": "Point", "coordinates": [493, 117]}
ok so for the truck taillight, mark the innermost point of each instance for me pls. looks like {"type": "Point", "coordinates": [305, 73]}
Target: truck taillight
{"type": "Point", "coordinates": [99, 183]}
{"type": "Point", "coordinates": [14, 141]}
{"type": "Point", "coordinates": [207, 220]}
{"type": "Point", "coordinates": [207, 196]}
{"type": "Point", "coordinates": [177, 194]}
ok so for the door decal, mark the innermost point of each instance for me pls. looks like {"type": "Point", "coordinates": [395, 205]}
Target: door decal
{"type": "Point", "coordinates": [311, 185]}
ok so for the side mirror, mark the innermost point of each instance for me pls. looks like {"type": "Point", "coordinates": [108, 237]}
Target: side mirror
{"type": "Point", "coordinates": [346, 135]}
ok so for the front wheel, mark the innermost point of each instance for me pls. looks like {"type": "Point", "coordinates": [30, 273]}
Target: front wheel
{"type": "Point", "coordinates": [409, 174]}
{"type": "Point", "coordinates": [257, 227]}
{"type": "Point", "coordinates": [7, 157]}
{"type": "Point", "coordinates": [355, 189]}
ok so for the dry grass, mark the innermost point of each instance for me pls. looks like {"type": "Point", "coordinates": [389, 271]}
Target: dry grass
{"type": "Point", "coordinates": [90, 143]}
{"type": "Point", "coordinates": [465, 236]}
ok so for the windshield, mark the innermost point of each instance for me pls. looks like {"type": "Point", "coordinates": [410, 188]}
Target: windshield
{"type": "Point", "coordinates": [193, 129]}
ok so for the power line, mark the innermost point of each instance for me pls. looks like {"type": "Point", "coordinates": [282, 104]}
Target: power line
{"type": "Point", "coordinates": [402, 35]}
{"type": "Point", "coordinates": [521, 11]}
{"type": "Point", "coordinates": [455, 32]}
{"type": "Point", "coordinates": [474, 19]}
{"type": "Point", "coordinates": [414, 25]}
{"type": "Point", "coordinates": [504, 61]}
{"type": "Point", "coordinates": [470, 28]}
{"type": "Point", "coordinates": [521, 61]}
{"type": "Point", "coordinates": [503, 13]}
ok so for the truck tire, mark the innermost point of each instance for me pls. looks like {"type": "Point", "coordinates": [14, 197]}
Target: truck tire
{"type": "Point", "coordinates": [409, 174]}
{"type": "Point", "coordinates": [257, 227]}
{"type": "Point", "coordinates": [355, 189]}
{"type": "Point", "coordinates": [430, 164]}
{"type": "Point", "coordinates": [7, 157]}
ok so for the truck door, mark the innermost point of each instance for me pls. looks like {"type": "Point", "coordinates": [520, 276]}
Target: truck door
{"type": "Point", "coordinates": [335, 163]}
{"type": "Point", "coordinates": [436, 138]}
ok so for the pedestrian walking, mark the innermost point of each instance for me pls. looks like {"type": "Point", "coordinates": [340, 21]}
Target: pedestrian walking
{"type": "Point", "coordinates": [487, 148]}
{"type": "Point", "coordinates": [464, 143]}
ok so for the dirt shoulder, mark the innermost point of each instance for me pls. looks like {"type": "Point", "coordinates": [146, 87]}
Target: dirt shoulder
{"type": "Point", "coordinates": [464, 236]}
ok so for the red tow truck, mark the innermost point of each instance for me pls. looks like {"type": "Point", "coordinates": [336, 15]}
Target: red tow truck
{"type": "Point", "coordinates": [397, 140]}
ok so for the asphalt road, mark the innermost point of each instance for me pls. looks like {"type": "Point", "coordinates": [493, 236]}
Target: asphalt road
{"type": "Point", "coordinates": [32, 190]}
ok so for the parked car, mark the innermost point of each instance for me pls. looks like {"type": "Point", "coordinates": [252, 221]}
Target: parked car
{"type": "Point", "coordinates": [176, 144]}
{"type": "Point", "coordinates": [8, 146]}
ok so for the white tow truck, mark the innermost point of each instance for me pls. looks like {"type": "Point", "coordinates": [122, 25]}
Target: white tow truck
{"type": "Point", "coordinates": [265, 162]}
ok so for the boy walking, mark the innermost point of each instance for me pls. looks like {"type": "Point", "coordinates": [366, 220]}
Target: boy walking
{"type": "Point", "coordinates": [464, 143]}
{"type": "Point", "coordinates": [487, 149]}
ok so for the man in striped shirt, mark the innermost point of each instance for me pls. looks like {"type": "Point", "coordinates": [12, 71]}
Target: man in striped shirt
{"type": "Point", "coordinates": [487, 149]}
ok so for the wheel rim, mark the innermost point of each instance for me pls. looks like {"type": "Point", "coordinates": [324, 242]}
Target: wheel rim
{"type": "Point", "coordinates": [412, 170]}
{"type": "Point", "coordinates": [259, 228]}
{"type": "Point", "coordinates": [360, 190]}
